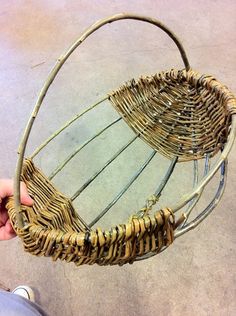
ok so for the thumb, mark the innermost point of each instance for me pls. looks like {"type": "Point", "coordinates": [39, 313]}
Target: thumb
{"type": "Point", "coordinates": [6, 190]}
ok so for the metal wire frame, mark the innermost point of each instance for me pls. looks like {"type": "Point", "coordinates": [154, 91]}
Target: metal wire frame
{"type": "Point", "coordinates": [98, 172]}
{"type": "Point", "coordinates": [194, 201]}
{"type": "Point", "coordinates": [67, 124]}
{"type": "Point", "coordinates": [51, 77]}
{"type": "Point", "coordinates": [121, 193]}
{"type": "Point", "coordinates": [195, 222]}
{"type": "Point", "coordinates": [73, 154]}
{"type": "Point", "coordinates": [157, 193]}
{"type": "Point", "coordinates": [194, 194]}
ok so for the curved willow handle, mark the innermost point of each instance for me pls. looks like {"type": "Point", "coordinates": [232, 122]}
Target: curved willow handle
{"type": "Point", "coordinates": [52, 76]}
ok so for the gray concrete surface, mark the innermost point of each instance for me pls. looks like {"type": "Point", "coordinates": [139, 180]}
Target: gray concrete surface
{"type": "Point", "coordinates": [196, 276]}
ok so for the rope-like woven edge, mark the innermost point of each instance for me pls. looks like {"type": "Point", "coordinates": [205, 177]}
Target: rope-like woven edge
{"type": "Point", "coordinates": [59, 240]}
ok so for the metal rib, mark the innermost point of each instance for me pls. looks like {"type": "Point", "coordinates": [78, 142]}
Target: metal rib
{"type": "Point", "coordinates": [194, 201]}
{"type": "Point", "coordinates": [195, 172]}
{"type": "Point", "coordinates": [203, 214]}
{"type": "Point", "coordinates": [119, 195]}
{"type": "Point", "coordinates": [47, 141]}
{"type": "Point", "coordinates": [167, 177]}
{"type": "Point", "coordinates": [161, 186]}
{"type": "Point", "coordinates": [60, 167]}
{"type": "Point", "coordinates": [210, 206]}
{"type": "Point", "coordinates": [84, 186]}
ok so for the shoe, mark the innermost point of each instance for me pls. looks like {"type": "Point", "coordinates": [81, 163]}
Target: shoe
{"type": "Point", "coordinates": [25, 291]}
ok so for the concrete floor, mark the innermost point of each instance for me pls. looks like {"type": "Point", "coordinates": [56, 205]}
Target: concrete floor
{"type": "Point", "coordinates": [196, 276]}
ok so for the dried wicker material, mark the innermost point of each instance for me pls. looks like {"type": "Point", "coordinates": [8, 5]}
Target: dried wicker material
{"type": "Point", "coordinates": [178, 113]}
{"type": "Point", "coordinates": [199, 122]}
{"type": "Point", "coordinates": [56, 230]}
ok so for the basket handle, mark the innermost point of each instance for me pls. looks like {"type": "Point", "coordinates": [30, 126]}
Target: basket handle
{"type": "Point", "coordinates": [51, 77]}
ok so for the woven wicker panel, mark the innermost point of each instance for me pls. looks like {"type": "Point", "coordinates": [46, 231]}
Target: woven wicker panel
{"type": "Point", "coordinates": [55, 229]}
{"type": "Point", "coordinates": [178, 113]}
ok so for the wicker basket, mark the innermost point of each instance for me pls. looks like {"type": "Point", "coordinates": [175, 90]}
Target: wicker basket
{"type": "Point", "coordinates": [179, 113]}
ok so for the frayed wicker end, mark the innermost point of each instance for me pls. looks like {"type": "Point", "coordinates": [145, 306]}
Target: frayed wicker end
{"type": "Point", "coordinates": [53, 228]}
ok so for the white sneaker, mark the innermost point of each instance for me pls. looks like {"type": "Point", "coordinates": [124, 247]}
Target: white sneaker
{"type": "Point", "coordinates": [25, 291]}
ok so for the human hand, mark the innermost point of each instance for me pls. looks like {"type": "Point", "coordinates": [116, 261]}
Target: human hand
{"type": "Point", "coordinates": [6, 190]}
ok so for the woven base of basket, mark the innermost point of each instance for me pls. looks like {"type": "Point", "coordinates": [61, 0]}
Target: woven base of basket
{"type": "Point", "coordinates": [178, 112]}
{"type": "Point", "coordinates": [53, 228]}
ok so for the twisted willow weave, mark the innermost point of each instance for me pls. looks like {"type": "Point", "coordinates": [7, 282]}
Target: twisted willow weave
{"type": "Point", "coordinates": [181, 114]}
